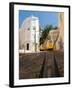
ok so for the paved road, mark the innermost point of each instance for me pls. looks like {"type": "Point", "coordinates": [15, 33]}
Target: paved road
{"type": "Point", "coordinates": [41, 65]}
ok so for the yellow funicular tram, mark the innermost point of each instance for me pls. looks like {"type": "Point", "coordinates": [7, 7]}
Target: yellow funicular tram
{"type": "Point", "coordinates": [48, 45]}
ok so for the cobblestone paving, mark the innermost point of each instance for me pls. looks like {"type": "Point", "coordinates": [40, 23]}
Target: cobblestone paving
{"type": "Point", "coordinates": [41, 65]}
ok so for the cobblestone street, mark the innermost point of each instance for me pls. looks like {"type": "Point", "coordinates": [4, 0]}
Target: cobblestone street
{"type": "Point", "coordinates": [41, 65]}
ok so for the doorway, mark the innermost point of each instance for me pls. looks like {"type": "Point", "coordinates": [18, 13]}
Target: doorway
{"type": "Point", "coordinates": [27, 46]}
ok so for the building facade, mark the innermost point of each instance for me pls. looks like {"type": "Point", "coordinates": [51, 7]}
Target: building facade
{"type": "Point", "coordinates": [60, 41]}
{"type": "Point", "coordinates": [58, 34]}
{"type": "Point", "coordinates": [29, 35]}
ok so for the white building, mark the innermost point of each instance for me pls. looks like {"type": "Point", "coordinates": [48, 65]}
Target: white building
{"type": "Point", "coordinates": [29, 35]}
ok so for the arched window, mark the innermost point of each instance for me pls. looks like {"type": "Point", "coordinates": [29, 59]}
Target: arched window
{"type": "Point", "coordinates": [27, 46]}
{"type": "Point", "coordinates": [28, 28]}
{"type": "Point", "coordinates": [34, 28]}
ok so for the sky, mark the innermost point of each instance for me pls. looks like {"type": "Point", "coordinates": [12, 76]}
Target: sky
{"type": "Point", "coordinates": [45, 18]}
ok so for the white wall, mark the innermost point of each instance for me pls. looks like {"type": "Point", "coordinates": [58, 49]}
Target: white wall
{"type": "Point", "coordinates": [4, 45]}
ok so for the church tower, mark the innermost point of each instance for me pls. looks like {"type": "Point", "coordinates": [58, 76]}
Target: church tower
{"type": "Point", "coordinates": [29, 35]}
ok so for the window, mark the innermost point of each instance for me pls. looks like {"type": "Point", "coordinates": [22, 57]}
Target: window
{"type": "Point", "coordinates": [34, 28]}
{"type": "Point", "coordinates": [27, 46]}
{"type": "Point", "coordinates": [28, 28]}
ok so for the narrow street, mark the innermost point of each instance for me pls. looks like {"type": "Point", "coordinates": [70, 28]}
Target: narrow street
{"type": "Point", "coordinates": [41, 65]}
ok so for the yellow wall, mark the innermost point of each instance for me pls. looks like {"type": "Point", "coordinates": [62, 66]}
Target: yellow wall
{"type": "Point", "coordinates": [62, 26]}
